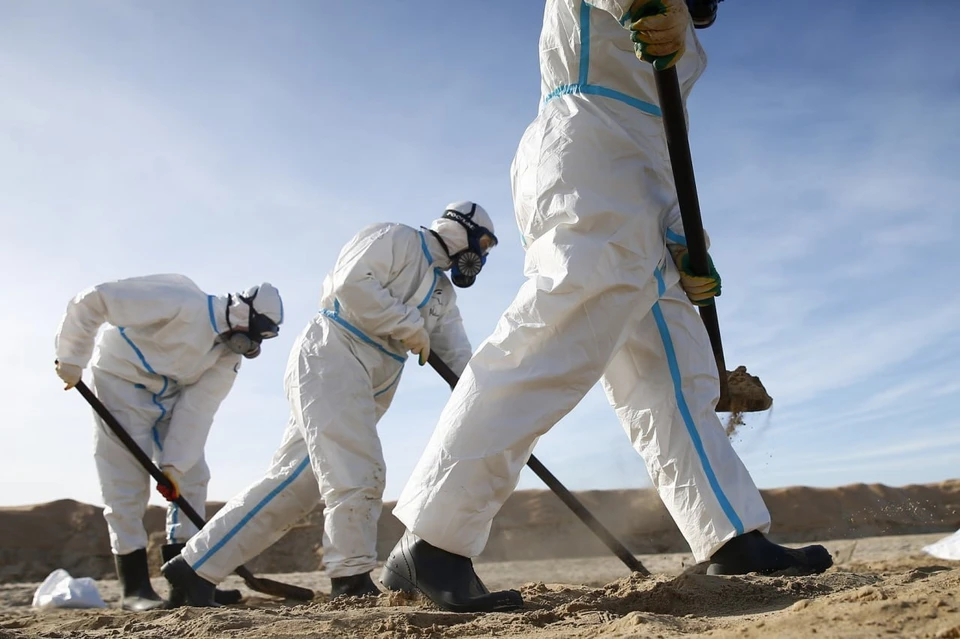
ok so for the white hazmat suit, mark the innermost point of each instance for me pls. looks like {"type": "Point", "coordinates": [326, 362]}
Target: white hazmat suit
{"type": "Point", "coordinates": [343, 371]}
{"type": "Point", "coordinates": [596, 205]}
{"type": "Point", "coordinates": [161, 372]}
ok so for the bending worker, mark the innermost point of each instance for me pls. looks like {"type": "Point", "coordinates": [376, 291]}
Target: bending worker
{"type": "Point", "coordinates": [387, 295]}
{"type": "Point", "coordinates": [163, 366]}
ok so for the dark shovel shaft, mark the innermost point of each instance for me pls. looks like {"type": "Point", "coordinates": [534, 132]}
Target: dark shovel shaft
{"type": "Point", "coordinates": [558, 489]}
{"type": "Point", "coordinates": [260, 584]}
{"type": "Point", "coordinates": [675, 127]}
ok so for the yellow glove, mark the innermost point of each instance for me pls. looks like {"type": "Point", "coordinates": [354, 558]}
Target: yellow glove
{"type": "Point", "coordinates": [171, 493]}
{"type": "Point", "coordinates": [419, 343]}
{"type": "Point", "coordinates": [69, 373]}
{"type": "Point", "coordinates": [701, 290]}
{"type": "Point", "coordinates": [658, 29]}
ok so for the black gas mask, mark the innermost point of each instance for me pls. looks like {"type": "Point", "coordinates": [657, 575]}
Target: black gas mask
{"type": "Point", "coordinates": [703, 12]}
{"type": "Point", "coordinates": [247, 342]}
{"type": "Point", "coordinates": [468, 263]}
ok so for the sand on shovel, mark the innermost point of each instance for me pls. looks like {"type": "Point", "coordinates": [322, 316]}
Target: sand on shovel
{"type": "Point", "coordinates": [746, 395]}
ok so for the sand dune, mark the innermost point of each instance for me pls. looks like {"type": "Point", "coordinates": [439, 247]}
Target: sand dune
{"type": "Point", "coordinates": [532, 525]}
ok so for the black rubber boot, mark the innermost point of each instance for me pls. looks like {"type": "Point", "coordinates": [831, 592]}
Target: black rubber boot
{"type": "Point", "coordinates": [138, 594]}
{"type": "Point", "coordinates": [353, 586]}
{"type": "Point", "coordinates": [752, 552]}
{"type": "Point", "coordinates": [222, 597]}
{"type": "Point", "coordinates": [446, 579]}
{"type": "Point", "coordinates": [187, 588]}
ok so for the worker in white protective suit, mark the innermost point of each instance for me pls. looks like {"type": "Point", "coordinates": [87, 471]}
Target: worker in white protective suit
{"type": "Point", "coordinates": [162, 367]}
{"type": "Point", "coordinates": [386, 296]}
{"type": "Point", "coordinates": [609, 297]}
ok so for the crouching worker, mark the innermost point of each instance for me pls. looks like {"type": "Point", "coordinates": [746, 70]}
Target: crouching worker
{"type": "Point", "coordinates": [162, 368]}
{"type": "Point", "coordinates": [386, 296]}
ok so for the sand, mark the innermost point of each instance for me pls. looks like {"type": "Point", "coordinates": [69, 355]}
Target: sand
{"type": "Point", "coordinates": [747, 394]}
{"type": "Point", "coordinates": [880, 587]}
{"type": "Point", "coordinates": [882, 583]}
{"type": "Point", "coordinates": [533, 524]}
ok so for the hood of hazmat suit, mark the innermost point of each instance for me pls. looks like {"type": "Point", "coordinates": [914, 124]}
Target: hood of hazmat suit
{"type": "Point", "coordinates": [252, 316]}
{"type": "Point", "coordinates": [465, 232]}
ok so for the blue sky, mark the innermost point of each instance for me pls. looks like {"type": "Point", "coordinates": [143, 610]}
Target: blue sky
{"type": "Point", "coordinates": [237, 143]}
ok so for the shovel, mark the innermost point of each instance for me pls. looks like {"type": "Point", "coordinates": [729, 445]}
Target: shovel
{"type": "Point", "coordinates": [558, 489]}
{"type": "Point", "coordinates": [740, 392]}
{"type": "Point", "coordinates": [259, 584]}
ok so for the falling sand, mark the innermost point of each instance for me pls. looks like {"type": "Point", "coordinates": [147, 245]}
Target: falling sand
{"type": "Point", "coordinates": [746, 394]}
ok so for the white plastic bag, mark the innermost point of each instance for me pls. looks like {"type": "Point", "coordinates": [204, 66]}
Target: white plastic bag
{"type": "Point", "coordinates": [60, 590]}
{"type": "Point", "coordinates": [946, 548]}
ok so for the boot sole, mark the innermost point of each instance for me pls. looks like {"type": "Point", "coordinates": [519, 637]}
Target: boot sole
{"type": "Point", "coordinates": [227, 597]}
{"type": "Point", "coordinates": [153, 605]}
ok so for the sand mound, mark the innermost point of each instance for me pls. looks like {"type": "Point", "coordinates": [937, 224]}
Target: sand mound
{"type": "Point", "coordinates": [68, 534]}
{"type": "Point", "coordinates": [59, 534]}
{"type": "Point", "coordinates": [532, 525]}
{"type": "Point", "coordinates": [536, 525]}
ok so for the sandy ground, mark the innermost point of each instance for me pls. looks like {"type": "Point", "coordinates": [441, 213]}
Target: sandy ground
{"type": "Point", "coordinates": [879, 587]}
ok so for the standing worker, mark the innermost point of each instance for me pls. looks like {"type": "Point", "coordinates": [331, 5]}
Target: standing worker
{"type": "Point", "coordinates": [163, 366]}
{"type": "Point", "coordinates": [387, 295]}
{"type": "Point", "coordinates": [609, 297]}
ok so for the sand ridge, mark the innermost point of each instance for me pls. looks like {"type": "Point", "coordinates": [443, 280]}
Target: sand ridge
{"type": "Point", "coordinates": [533, 524]}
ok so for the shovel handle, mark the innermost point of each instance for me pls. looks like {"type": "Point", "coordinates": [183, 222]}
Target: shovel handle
{"type": "Point", "coordinates": [267, 586]}
{"type": "Point", "coordinates": [559, 489]}
{"type": "Point", "coordinates": [137, 452]}
{"type": "Point", "coordinates": [678, 145]}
